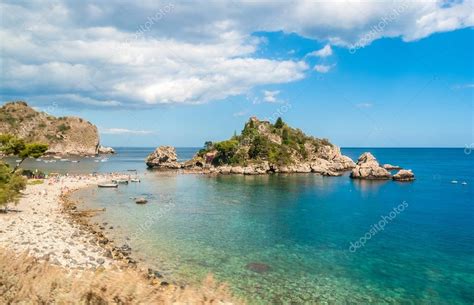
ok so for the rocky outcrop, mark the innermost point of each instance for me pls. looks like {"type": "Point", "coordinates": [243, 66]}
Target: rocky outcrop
{"type": "Point", "coordinates": [164, 157]}
{"type": "Point", "coordinates": [390, 167]}
{"type": "Point", "coordinates": [404, 175]}
{"type": "Point", "coordinates": [105, 150]}
{"type": "Point", "coordinates": [368, 168]}
{"type": "Point", "coordinates": [64, 135]}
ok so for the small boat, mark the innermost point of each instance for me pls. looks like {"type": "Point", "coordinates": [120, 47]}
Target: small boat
{"type": "Point", "coordinates": [64, 160]}
{"type": "Point", "coordinates": [454, 181]}
{"type": "Point", "coordinates": [120, 181]}
{"type": "Point", "coordinates": [464, 183]}
{"type": "Point", "coordinates": [141, 200]}
{"type": "Point", "coordinates": [108, 185]}
{"type": "Point", "coordinates": [39, 160]}
{"type": "Point", "coordinates": [18, 161]}
{"type": "Point", "coordinates": [135, 180]}
{"type": "Point", "coordinates": [104, 160]}
{"type": "Point", "coordinates": [75, 161]}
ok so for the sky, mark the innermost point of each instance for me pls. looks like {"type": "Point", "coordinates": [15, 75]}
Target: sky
{"type": "Point", "coordinates": [149, 73]}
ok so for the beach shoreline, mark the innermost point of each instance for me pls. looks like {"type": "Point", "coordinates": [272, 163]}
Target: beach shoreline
{"type": "Point", "coordinates": [48, 226]}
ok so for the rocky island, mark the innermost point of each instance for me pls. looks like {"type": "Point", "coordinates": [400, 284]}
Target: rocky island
{"type": "Point", "coordinates": [264, 148]}
{"type": "Point", "coordinates": [64, 135]}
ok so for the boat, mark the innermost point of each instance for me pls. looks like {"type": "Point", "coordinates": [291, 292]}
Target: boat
{"type": "Point", "coordinates": [120, 181]}
{"type": "Point", "coordinates": [454, 182]}
{"type": "Point", "coordinates": [64, 160]}
{"type": "Point", "coordinates": [104, 160]}
{"type": "Point", "coordinates": [464, 183]}
{"type": "Point", "coordinates": [108, 185]}
{"type": "Point", "coordinates": [75, 161]}
{"type": "Point", "coordinates": [135, 180]}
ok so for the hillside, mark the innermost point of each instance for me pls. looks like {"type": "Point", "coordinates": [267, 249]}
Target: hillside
{"type": "Point", "coordinates": [64, 135]}
{"type": "Point", "coordinates": [263, 147]}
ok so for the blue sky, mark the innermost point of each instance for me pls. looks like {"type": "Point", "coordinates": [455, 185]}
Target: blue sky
{"type": "Point", "coordinates": [401, 85]}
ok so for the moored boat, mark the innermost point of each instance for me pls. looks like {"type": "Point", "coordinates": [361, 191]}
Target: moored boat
{"type": "Point", "coordinates": [108, 185]}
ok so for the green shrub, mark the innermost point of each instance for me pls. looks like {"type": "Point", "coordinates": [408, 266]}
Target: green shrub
{"type": "Point", "coordinates": [63, 127]}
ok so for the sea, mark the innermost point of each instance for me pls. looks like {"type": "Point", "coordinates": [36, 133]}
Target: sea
{"type": "Point", "coordinates": [299, 238]}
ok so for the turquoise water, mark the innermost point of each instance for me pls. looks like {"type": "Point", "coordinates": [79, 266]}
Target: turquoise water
{"type": "Point", "coordinates": [284, 239]}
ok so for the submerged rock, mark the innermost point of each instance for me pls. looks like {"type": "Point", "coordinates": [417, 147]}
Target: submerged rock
{"type": "Point", "coordinates": [368, 168]}
{"type": "Point", "coordinates": [163, 157]}
{"type": "Point", "coordinates": [141, 200]}
{"type": "Point", "coordinates": [404, 175]}
{"type": "Point", "coordinates": [258, 267]}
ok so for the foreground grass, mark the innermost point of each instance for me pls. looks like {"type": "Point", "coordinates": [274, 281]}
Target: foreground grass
{"type": "Point", "coordinates": [25, 280]}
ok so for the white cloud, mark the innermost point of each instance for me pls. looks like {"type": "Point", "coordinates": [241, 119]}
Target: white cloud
{"type": "Point", "coordinates": [270, 96]}
{"type": "Point", "coordinates": [324, 52]}
{"type": "Point", "coordinates": [364, 105]}
{"type": "Point", "coordinates": [323, 68]}
{"type": "Point", "coordinates": [124, 131]}
{"type": "Point", "coordinates": [88, 53]}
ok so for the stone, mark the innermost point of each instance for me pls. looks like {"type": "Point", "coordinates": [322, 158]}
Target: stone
{"type": "Point", "coordinates": [102, 150]}
{"type": "Point", "coordinates": [368, 168]}
{"type": "Point", "coordinates": [391, 167]}
{"type": "Point", "coordinates": [258, 267]}
{"type": "Point", "coordinates": [404, 175]}
{"type": "Point", "coordinates": [164, 157]}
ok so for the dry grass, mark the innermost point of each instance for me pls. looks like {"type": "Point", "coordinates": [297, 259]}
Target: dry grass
{"type": "Point", "coordinates": [24, 280]}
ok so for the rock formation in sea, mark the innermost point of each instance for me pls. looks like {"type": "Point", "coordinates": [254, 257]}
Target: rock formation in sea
{"type": "Point", "coordinates": [64, 135]}
{"type": "Point", "coordinates": [404, 175]}
{"type": "Point", "coordinates": [103, 150]}
{"type": "Point", "coordinates": [261, 148]}
{"type": "Point", "coordinates": [390, 167]}
{"type": "Point", "coordinates": [164, 157]}
{"type": "Point", "coordinates": [368, 168]}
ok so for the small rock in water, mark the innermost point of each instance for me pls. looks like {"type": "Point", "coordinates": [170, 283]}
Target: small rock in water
{"type": "Point", "coordinates": [258, 267]}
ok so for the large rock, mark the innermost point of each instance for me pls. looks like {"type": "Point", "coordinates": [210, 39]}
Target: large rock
{"type": "Point", "coordinates": [368, 168]}
{"type": "Point", "coordinates": [105, 150]}
{"type": "Point", "coordinates": [337, 161]}
{"type": "Point", "coordinates": [164, 157]}
{"type": "Point", "coordinates": [404, 175]}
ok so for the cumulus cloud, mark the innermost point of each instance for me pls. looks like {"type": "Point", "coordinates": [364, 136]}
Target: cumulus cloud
{"type": "Point", "coordinates": [324, 52]}
{"type": "Point", "coordinates": [145, 53]}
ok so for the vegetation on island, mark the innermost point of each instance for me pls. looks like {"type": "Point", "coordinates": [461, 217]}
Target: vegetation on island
{"type": "Point", "coordinates": [261, 141]}
{"type": "Point", "coordinates": [11, 181]}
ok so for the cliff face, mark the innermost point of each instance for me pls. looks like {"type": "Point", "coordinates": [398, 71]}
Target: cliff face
{"type": "Point", "coordinates": [64, 135]}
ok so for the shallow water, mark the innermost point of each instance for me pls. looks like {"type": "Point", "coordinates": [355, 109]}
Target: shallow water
{"type": "Point", "coordinates": [287, 238]}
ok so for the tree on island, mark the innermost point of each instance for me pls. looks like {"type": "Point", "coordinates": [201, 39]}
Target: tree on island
{"type": "Point", "coordinates": [11, 182]}
{"type": "Point", "coordinates": [279, 123]}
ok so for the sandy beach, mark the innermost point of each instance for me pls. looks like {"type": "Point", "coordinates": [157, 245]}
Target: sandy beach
{"type": "Point", "coordinates": [38, 225]}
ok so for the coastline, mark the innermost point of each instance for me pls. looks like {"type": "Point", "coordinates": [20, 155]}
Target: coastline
{"type": "Point", "coordinates": [47, 238]}
{"type": "Point", "coordinates": [40, 225]}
